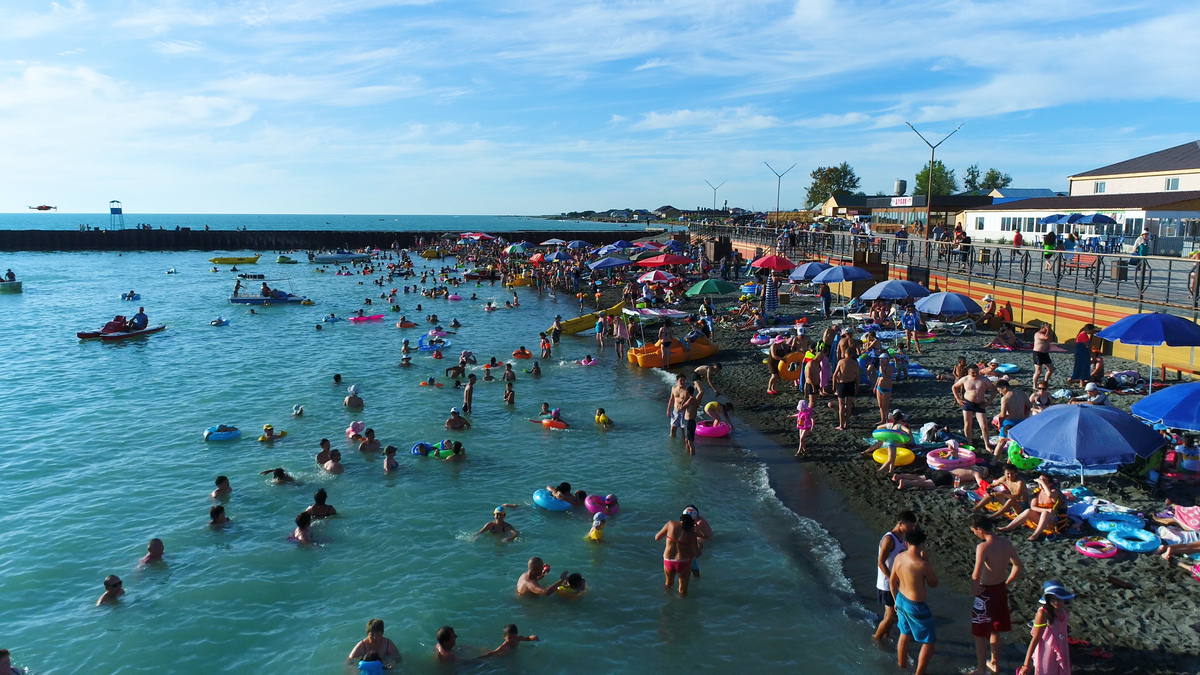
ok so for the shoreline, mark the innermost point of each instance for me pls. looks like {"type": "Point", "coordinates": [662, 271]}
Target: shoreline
{"type": "Point", "coordinates": [1148, 629]}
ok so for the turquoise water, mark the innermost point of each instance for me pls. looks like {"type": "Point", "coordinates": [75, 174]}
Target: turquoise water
{"type": "Point", "coordinates": [53, 220]}
{"type": "Point", "coordinates": [104, 451]}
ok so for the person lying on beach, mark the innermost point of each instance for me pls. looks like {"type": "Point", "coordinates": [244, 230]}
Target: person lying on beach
{"type": "Point", "coordinates": [1007, 339]}
{"type": "Point", "coordinates": [988, 369]}
{"type": "Point", "coordinates": [1167, 551]}
{"type": "Point", "coordinates": [1044, 508]}
{"type": "Point", "coordinates": [754, 322]}
{"type": "Point", "coordinates": [113, 590]}
{"type": "Point", "coordinates": [959, 372]}
{"type": "Point", "coordinates": [511, 641]}
{"type": "Point", "coordinates": [279, 476]}
{"type": "Point", "coordinates": [217, 517]}
{"type": "Point", "coordinates": [499, 525]}
{"type": "Point", "coordinates": [968, 478]}
{"type": "Point", "coordinates": [529, 583]}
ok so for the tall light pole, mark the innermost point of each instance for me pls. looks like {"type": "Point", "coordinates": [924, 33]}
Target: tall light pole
{"type": "Point", "coordinates": [778, 184]}
{"type": "Point", "coordinates": [929, 185]}
{"type": "Point", "coordinates": [714, 189]}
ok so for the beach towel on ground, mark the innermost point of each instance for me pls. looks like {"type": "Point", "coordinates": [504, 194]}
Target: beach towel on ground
{"type": "Point", "coordinates": [1188, 517]}
{"type": "Point", "coordinates": [919, 371]}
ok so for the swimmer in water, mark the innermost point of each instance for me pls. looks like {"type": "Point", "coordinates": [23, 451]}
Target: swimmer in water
{"type": "Point", "coordinates": [319, 509]}
{"type": "Point", "coordinates": [511, 640]}
{"type": "Point", "coordinates": [113, 590]}
{"type": "Point", "coordinates": [515, 302]}
{"type": "Point", "coordinates": [602, 418]}
{"type": "Point", "coordinates": [154, 552]}
{"type": "Point", "coordinates": [507, 305]}
{"type": "Point", "coordinates": [389, 460]}
{"type": "Point", "coordinates": [499, 525]}
{"type": "Point", "coordinates": [353, 400]}
{"type": "Point", "coordinates": [446, 640]}
{"type": "Point", "coordinates": [455, 324]}
{"type": "Point", "coordinates": [369, 443]}
{"type": "Point", "coordinates": [530, 582]}
{"type": "Point", "coordinates": [405, 348]}
{"type": "Point", "coordinates": [223, 489]}
{"type": "Point", "coordinates": [545, 412]}
{"type": "Point", "coordinates": [457, 422]}
{"type": "Point", "coordinates": [384, 649]}
{"type": "Point", "coordinates": [323, 455]}
{"type": "Point", "coordinates": [303, 532]}
{"type": "Point", "coordinates": [536, 370]}
{"type": "Point", "coordinates": [473, 297]}
{"type": "Point", "coordinates": [487, 374]}
{"type": "Point", "coordinates": [406, 362]}
{"type": "Point", "coordinates": [217, 517]}
{"type": "Point", "coordinates": [334, 465]}
{"type": "Point", "coordinates": [278, 475]}
{"type": "Point", "coordinates": [563, 491]}
{"type": "Point", "coordinates": [597, 531]}
{"type": "Point", "coordinates": [509, 375]}
{"type": "Point", "coordinates": [510, 396]}
{"type": "Point", "coordinates": [337, 379]}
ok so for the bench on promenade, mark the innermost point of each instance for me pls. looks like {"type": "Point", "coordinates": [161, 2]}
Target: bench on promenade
{"type": "Point", "coordinates": [1024, 331]}
{"type": "Point", "coordinates": [1179, 369]}
{"type": "Point", "coordinates": [1082, 261]}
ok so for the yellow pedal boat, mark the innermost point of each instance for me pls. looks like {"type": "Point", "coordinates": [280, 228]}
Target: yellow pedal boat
{"type": "Point", "coordinates": [650, 356]}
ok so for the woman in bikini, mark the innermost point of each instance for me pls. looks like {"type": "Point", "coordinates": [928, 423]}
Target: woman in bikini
{"type": "Point", "coordinates": [1042, 399]}
{"type": "Point", "coordinates": [682, 546]}
{"type": "Point", "coordinates": [1045, 508]}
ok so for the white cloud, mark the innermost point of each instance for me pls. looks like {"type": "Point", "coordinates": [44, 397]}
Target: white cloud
{"type": "Point", "coordinates": [723, 121]}
{"type": "Point", "coordinates": [177, 47]}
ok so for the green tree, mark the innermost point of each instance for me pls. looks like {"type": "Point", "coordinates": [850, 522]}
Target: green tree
{"type": "Point", "coordinates": [831, 180]}
{"type": "Point", "coordinates": [995, 179]}
{"type": "Point", "coordinates": [944, 182]}
{"type": "Point", "coordinates": [972, 178]}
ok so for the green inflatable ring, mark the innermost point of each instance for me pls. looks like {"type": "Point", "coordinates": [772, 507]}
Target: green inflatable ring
{"type": "Point", "coordinates": [1020, 460]}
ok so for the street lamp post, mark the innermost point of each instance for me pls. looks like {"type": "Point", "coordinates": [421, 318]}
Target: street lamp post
{"type": "Point", "coordinates": [778, 184]}
{"type": "Point", "coordinates": [714, 189]}
{"type": "Point", "coordinates": [929, 182]}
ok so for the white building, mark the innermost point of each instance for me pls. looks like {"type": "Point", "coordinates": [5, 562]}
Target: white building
{"type": "Point", "coordinates": [1175, 169]}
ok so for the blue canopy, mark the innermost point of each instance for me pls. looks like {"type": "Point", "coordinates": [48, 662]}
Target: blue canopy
{"type": "Point", "coordinates": [1154, 328]}
{"type": "Point", "coordinates": [622, 244]}
{"type": "Point", "coordinates": [895, 289]}
{"type": "Point", "coordinates": [1088, 435]}
{"type": "Point", "coordinates": [808, 270]}
{"type": "Point", "coordinates": [557, 256]}
{"type": "Point", "coordinates": [606, 250]}
{"type": "Point", "coordinates": [1176, 407]}
{"type": "Point", "coordinates": [1051, 220]}
{"type": "Point", "coordinates": [675, 245]}
{"type": "Point", "coordinates": [608, 263]}
{"type": "Point", "coordinates": [839, 273]}
{"type": "Point", "coordinates": [579, 244]}
{"type": "Point", "coordinates": [1096, 219]}
{"type": "Point", "coordinates": [948, 304]}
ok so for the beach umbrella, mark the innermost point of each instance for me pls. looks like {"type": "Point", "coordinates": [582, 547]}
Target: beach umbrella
{"type": "Point", "coordinates": [1177, 407]}
{"type": "Point", "coordinates": [609, 263]}
{"type": "Point", "coordinates": [557, 256]}
{"type": "Point", "coordinates": [655, 277]}
{"type": "Point", "coordinates": [1152, 329]}
{"type": "Point", "coordinates": [480, 236]}
{"type": "Point", "coordinates": [949, 304]}
{"type": "Point", "coordinates": [895, 289]}
{"type": "Point", "coordinates": [773, 262]}
{"type": "Point", "coordinates": [1051, 220]}
{"type": "Point", "coordinates": [606, 250]}
{"type": "Point", "coordinates": [1087, 435]}
{"type": "Point", "coordinates": [553, 242]}
{"type": "Point", "coordinates": [622, 244]}
{"type": "Point", "coordinates": [579, 243]}
{"type": "Point", "coordinates": [840, 273]}
{"type": "Point", "coordinates": [514, 249]}
{"type": "Point", "coordinates": [652, 245]}
{"type": "Point", "coordinates": [536, 258]}
{"type": "Point", "coordinates": [808, 270]}
{"type": "Point", "coordinates": [711, 287]}
{"type": "Point", "coordinates": [1096, 219]}
{"type": "Point", "coordinates": [664, 259]}
{"type": "Point", "coordinates": [675, 245]}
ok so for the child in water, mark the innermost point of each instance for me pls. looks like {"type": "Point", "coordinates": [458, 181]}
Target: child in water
{"type": "Point", "coordinates": [545, 410]}
{"type": "Point", "coordinates": [511, 641]}
{"type": "Point", "coordinates": [597, 531]}
{"type": "Point", "coordinates": [602, 418]}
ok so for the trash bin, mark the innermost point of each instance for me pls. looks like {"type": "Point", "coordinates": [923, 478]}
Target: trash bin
{"type": "Point", "coordinates": [1120, 270]}
{"type": "Point", "coordinates": [985, 255]}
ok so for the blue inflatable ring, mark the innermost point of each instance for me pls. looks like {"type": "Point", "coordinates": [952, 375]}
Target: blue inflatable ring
{"type": "Point", "coordinates": [1109, 522]}
{"type": "Point", "coordinates": [1135, 541]}
{"type": "Point", "coordinates": [1007, 368]}
{"type": "Point", "coordinates": [548, 501]}
{"type": "Point", "coordinates": [211, 434]}
{"type": "Point", "coordinates": [422, 449]}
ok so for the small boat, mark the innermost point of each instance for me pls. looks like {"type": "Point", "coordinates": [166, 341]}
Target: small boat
{"type": "Point", "coordinates": [341, 256]}
{"type": "Point", "coordinates": [284, 260]}
{"type": "Point", "coordinates": [115, 330]}
{"type": "Point", "coordinates": [10, 287]}
{"type": "Point", "coordinates": [285, 299]}
{"type": "Point", "coordinates": [582, 323]}
{"type": "Point", "coordinates": [235, 260]}
{"type": "Point", "coordinates": [650, 356]}
{"type": "Point", "coordinates": [481, 275]}
{"type": "Point", "coordinates": [429, 254]}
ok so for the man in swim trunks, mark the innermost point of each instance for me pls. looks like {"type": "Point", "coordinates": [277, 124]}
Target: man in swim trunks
{"type": "Point", "coordinates": [690, 410]}
{"type": "Point", "coordinates": [530, 584]}
{"type": "Point", "coordinates": [911, 574]}
{"type": "Point", "coordinates": [975, 393]}
{"type": "Point", "coordinates": [1014, 406]}
{"type": "Point", "coordinates": [334, 465]}
{"type": "Point", "coordinates": [890, 546]}
{"type": "Point", "coordinates": [509, 375]}
{"type": "Point", "coordinates": [353, 401]}
{"type": "Point", "coordinates": [468, 393]}
{"type": "Point", "coordinates": [113, 590]}
{"type": "Point", "coordinates": [154, 554]}
{"type": "Point", "coordinates": [677, 403]}
{"type": "Point", "coordinates": [456, 421]}
{"type": "Point", "coordinates": [1042, 340]}
{"type": "Point", "coordinates": [997, 567]}
{"type": "Point", "coordinates": [217, 517]}
{"type": "Point", "coordinates": [458, 371]}
{"type": "Point", "coordinates": [369, 443]}
{"type": "Point", "coordinates": [499, 525]}
{"type": "Point", "coordinates": [845, 384]}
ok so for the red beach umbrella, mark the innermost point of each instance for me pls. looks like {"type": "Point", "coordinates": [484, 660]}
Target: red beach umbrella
{"type": "Point", "coordinates": [774, 262]}
{"type": "Point", "coordinates": [666, 259]}
{"type": "Point", "coordinates": [536, 258]}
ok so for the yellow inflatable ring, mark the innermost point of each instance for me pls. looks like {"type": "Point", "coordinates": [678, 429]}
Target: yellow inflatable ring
{"type": "Point", "coordinates": [791, 367]}
{"type": "Point", "coordinates": [904, 456]}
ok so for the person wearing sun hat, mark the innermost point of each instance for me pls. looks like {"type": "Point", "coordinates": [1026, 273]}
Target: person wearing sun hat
{"type": "Point", "coordinates": [989, 310]}
{"type": "Point", "coordinates": [1049, 652]}
{"type": "Point", "coordinates": [353, 400]}
{"type": "Point", "coordinates": [457, 422]}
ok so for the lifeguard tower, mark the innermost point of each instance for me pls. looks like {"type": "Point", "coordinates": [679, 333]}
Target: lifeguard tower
{"type": "Point", "coordinates": [116, 217]}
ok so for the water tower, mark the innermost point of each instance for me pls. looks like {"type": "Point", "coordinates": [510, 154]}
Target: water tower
{"type": "Point", "coordinates": [116, 217]}
{"type": "Point", "coordinates": [901, 187]}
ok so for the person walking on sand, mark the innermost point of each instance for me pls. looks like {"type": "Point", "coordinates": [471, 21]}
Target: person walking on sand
{"type": "Point", "coordinates": [911, 573]}
{"type": "Point", "coordinates": [891, 545]}
{"type": "Point", "coordinates": [845, 383]}
{"type": "Point", "coordinates": [974, 393]}
{"type": "Point", "coordinates": [997, 567]}
{"type": "Point", "coordinates": [775, 355]}
{"type": "Point", "coordinates": [1042, 340]}
{"type": "Point", "coordinates": [1049, 651]}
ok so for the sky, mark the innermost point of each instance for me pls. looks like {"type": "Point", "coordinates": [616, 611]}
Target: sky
{"type": "Point", "coordinates": [537, 107]}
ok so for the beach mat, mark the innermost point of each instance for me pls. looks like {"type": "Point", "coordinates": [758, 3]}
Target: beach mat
{"type": "Point", "coordinates": [920, 372]}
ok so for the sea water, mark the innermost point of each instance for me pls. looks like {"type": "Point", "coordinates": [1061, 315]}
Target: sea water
{"type": "Point", "coordinates": [53, 220]}
{"type": "Point", "coordinates": [103, 450]}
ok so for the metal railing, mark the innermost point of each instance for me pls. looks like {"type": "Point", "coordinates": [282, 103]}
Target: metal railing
{"type": "Point", "coordinates": [1155, 281]}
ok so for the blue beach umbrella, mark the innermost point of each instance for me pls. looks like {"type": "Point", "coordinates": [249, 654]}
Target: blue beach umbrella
{"type": "Point", "coordinates": [948, 304]}
{"type": "Point", "coordinates": [840, 273]}
{"type": "Point", "coordinates": [895, 289]}
{"type": "Point", "coordinates": [808, 270]}
{"type": "Point", "coordinates": [557, 256]}
{"type": "Point", "coordinates": [609, 263]}
{"type": "Point", "coordinates": [1152, 329]}
{"type": "Point", "coordinates": [578, 243]}
{"type": "Point", "coordinates": [676, 246]}
{"type": "Point", "coordinates": [1051, 220]}
{"type": "Point", "coordinates": [622, 244]}
{"type": "Point", "coordinates": [1176, 407]}
{"type": "Point", "coordinates": [1096, 219]}
{"type": "Point", "coordinates": [1087, 435]}
{"type": "Point", "coordinates": [606, 250]}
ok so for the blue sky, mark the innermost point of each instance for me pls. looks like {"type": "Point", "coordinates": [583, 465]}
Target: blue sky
{"type": "Point", "coordinates": [371, 106]}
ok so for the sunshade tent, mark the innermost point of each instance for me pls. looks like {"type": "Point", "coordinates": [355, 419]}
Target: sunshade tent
{"type": "Point", "coordinates": [808, 270]}
{"type": "Point", "coordinates": [1051, 220]}
{"type": "Point", "coordinates": [948, 304]}
{"type": "Point", "coordinates": [895, 289]}
{"type": "Point", "coordinates": [609, 263]}
{"type": "Point", "coordinates": [622, 244]}
{"type": "Point", "coordinates": [1096, 219]}
{"type": "Point", "coordinates": [840, 273]}
{"type": "Point", "coordinates": [1086, 435]}
{"type": "Point", "coordinates": [480, 236]}
{"type": "Point", "coordinates": [1177, 407]}
{"type": "Point", "coordinates": [712, 287]}
{"type": "Point", "coordinates": [557, 256]}
{"type": "Point", "coordinates": [773, 262]}
{"type": "Point", "coordinates": [664, 259]}
{"type": "Point", "coordinates": [1151, 330]}
{"type": "Point", "coordinates": [675, 245]}
{"type": "Point", "coordinates": [579, 243]}
{"type": "Point", "coordinates": [656, 277]}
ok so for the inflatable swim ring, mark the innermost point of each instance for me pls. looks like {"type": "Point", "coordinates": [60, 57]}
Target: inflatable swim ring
{"type": "Point", "coordinates": [760, 340]}
{"type": "Point", "coordinates": [364, 319]}
{"type": "Point", "coordinates": [904, 456]}
{"type": "Point", "coordinates": [422, 449]}
{"type": "Point", "coordinates": [522, 354]}
{"type": "Point", "coordinates": [405, 324]}
{"type": "Point", "coordinates": [1134, 541]}
{"type": "Point", "coordinates": [891, 436]}
{"type": "Point", "coordinates": [1019, 459]}
{"type": "Point", "coordinates": [211, 434]}
{"type": "Point", "coordinates": [585, 362]}
{"type": "Point", "coordinates": [264, 439]}
{"type": "Point", "coordinates": [1110, 522]}
{"type": "Point", "coordinates": [791, 367]}
{"type": "Point", "coordinates": [712, 429]}
{"type": "Point", "coordinates": [331, 319]}
{"type": "Point", "coordinates": [442, 449]}
{"type": "Point", "coordinates": [1095, 547]}
{"type": "Point", "coordinates": [355, 428]}
{"type": "Point", "coordinates": [1008, 368]}
{"type": "Point", "coordinates": [219, 322]}
{"type": "Point", "coordinates": [553, 424]}
{"type": "Point", "coordinates": [568, 592]}
{"type": "Point", "coordinates": [306, 302]}
{"type": "Point", "coordinates": [454, 297]}
{"type": "Point", "coordinates": [131, 296]}
{"type": "Point", "coordinates": [598, 504]}
{"type": "Point", "coordinates": [548, 501]}
{"type": "Point", "coordinates": [940, 459]}
{"type": "Point", "coordinates": [437, 333]}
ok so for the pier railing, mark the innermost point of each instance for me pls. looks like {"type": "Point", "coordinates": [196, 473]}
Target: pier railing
{"type": "Point", "coordinates": [1165, 282]}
